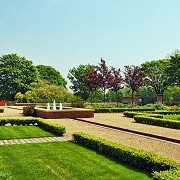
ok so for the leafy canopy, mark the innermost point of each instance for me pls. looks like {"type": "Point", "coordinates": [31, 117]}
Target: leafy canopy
{"type": "Point", "coordinates": [16, 75]}
{"type": "Point", "coordinates": [51, 75]}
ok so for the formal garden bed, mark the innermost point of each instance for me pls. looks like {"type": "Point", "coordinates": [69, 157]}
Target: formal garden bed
{"type": "Point", "coordinates": [56, 129]}
{"type": "Point", "coordinates": [159, 118]}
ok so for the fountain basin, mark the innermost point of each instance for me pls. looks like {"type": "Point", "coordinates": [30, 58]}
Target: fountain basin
{"type": "Point", "coordinates": [64, 113]}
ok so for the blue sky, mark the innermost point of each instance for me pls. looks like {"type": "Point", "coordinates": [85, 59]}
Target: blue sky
{"type": "Point", "coordinates": [67, 33]}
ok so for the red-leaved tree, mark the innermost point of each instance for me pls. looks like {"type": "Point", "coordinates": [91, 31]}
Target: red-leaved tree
{"type": "Point", "coordinates": [115, 80]}
{"type": "Point", "coordinates": [92, 81]}
{"type": "Point", "coordinates": [104, 76]}
{"type": "Point", "coordinates": [134, 78]}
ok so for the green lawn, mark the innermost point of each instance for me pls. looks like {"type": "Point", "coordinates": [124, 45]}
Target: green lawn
{"type": "Point", "coordinates": [16, 132]}
{"type": "Point", "coordinates": [62, 160]}
{"type": "Point", "coordinates": [172, 117]}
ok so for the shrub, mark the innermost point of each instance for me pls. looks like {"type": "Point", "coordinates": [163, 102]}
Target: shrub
{"type": "Point", "coordinates": [119, 110]}
{"type": "Point", "coordinates": [142, 160]}
{"type": "Point", "coordinates": [167, 175]}
{"type": "Point", "coordinates": [1, 110]}
{"type": "Point", "coordinates": [29, 110]}
{"type": "Point", "coordinates": [157, 122]}
{"type": "Point", "coordinates": [52, 127]}
{"type": "Point", "coordinates": [132, 114]}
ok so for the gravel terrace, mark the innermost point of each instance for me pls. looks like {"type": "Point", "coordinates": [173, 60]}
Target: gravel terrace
{"type": "Point", "coordinates": [163, 148]}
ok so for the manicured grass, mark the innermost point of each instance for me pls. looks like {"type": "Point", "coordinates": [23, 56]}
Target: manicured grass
{"type": "Point", "coordinates": [62, 160]}
{"type": "Point", "coordinates": [16, 132]}
{"type": "Point", "coordinates": [172, 117]}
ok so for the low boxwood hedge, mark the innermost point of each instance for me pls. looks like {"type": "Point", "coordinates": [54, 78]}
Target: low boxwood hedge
{"type": "Point", "coordinates": [157, 121]}
{"type": "Point", "coordinates": [1, 110]}
{"type": "Point", "coordinates": [48, 126]}
{"type": "Point", "coordinates": [166, 112]}
{"type": "Point", "coordinates": [142, 160]}
{"type": "Point", "coordinates": [119, 110]}
{"type": "Point", "coordinates": [132, 114]}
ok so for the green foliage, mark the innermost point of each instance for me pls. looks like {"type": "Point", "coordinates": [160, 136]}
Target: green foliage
{"type": "Point", "coordinates": [147, 95]}
{"type": "Point", "coordinates": [143, 160]}
{"type": "Point", "coordinates": [29, 110]}
{"type": "Point", "coordinates": [173, 70]}
{"type": "Point", "coordinates": [117, 110]}
{"type": "Point", "coordinates": [157, 122]}
{"type": "Point", "coordinates": [132, 114]}
{"type": "Point", "coordinates": [4, 176]}
{"type": "Point", "coordinates": [1, 110]}
{"type": "Point", "coordinates": [48, 126]}
{"type": "Point", "coordinates": [155, 74]}
{"type": "Point", "coordinates": [112, 96]}
{"type": "Point", "coordinates": [51, 127]}
{"type": "Point", "coordinates": [167, 175]}
{"type": "Point", "coordinates": [75, 76]}
{"type": "Point", "coordinates": [48, 73]}
{"type": "Point", "coordinates": [171, 95]}
{"type": "Point", "coordinates": [42, 93]}
{"type": "Point", "coordinates": [157, 106]}
{"type": "Point", "coordinates": [16, 75]}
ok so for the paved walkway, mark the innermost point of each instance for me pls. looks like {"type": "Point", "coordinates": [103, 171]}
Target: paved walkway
{"type": "Point", "coordinates": [34, 140]}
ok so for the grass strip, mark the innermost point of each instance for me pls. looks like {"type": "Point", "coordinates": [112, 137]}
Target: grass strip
{"type": "Point", "coordinates": [18, 132]}
{"type": "Point", "coordinates": [62, 160]}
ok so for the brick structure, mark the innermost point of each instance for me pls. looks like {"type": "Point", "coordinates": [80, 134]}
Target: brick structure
{"type": "Point", "coordinates": [65, 113]}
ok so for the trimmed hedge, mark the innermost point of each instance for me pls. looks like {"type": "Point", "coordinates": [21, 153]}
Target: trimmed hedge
{"type": "Point", "coordinates": [48, 126]}
{"type": "Point", "coordinates": [167, 175]}
{"type": "Point", "coordinates": [118, 110]}
{"type": "Point", "coordinates": [167, 112]}
{"type": "Point", "coordinates": [142, 160]}
{"type": "Point", "coordinates": [157, 121]}
{"type": "Point", "coordinates": [132, 114]}
{"type": "Point", "coordinates": [1, 110]}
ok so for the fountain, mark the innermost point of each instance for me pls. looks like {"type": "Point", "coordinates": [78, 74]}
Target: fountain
{"type": "Point", "coordinates": [54, 105]}
{"type": "Point", "coordinates": [60, 106]}
{"type": "Point", "coordinates": [48, 106]}
{"type": "Point", "coordinates": [63, 112]}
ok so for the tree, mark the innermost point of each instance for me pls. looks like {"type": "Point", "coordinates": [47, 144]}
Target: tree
{"type": "Point", "coordinates": [134, 78]}
{"type": "Point", "coordinates": [173, 70]}
{"type": "Point", "coordinates": [92, 81]}
{"type": "Point", "coordinates": [78, 86]}
{"type": "Point", "coordinates": [104, 76]}
{"type": "Point", "coordinates": [16, 75]}
{"type": "Point", "coordinates": [172, 95]}
{"type": "Point", "coordinates": [155, 74]}
{"type": "Point", "coordinates": [51, 75]}
{"type": "Point", "coordinates": [116, 81]}
{"type": "Point", "coordinates": [147, 95]}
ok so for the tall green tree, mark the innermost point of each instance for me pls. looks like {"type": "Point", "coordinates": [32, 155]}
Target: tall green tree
{"type": "Point", "coordinates": [155, 74]}
{"type": "Point", "coordinates": [51, 75]}
{"type": "Point", "coordinates": [173, 70]}
{"type": "Point", "coordinates": [78, 86]}
{"type": "Point", "coordinates": [16, 75]}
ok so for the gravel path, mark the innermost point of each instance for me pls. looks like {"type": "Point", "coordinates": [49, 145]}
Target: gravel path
{"type": "Point", "coordinates": [163, 148]}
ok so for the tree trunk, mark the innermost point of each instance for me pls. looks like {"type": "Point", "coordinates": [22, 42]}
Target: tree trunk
{"type": "Point", "coordinates": [132, 97]}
